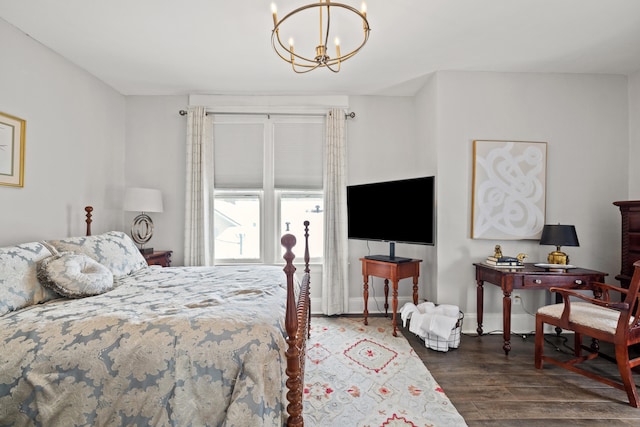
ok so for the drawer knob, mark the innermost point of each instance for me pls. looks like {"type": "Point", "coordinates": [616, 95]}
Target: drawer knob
{"type": "Point", "coordinates": [578, 282]}
{"type": "Point", "coordinates": [537, 281]}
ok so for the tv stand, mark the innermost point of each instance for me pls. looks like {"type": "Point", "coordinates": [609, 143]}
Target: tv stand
{"type": "Point", "coordinates": [394, 271]}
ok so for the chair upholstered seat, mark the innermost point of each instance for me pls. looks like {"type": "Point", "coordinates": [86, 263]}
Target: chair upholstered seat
{"type": "Point", "coordinates": [588, 315]}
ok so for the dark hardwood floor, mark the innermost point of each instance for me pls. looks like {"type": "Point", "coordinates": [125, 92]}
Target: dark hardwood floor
{"type": "Point", "coordinates": [491, 389]}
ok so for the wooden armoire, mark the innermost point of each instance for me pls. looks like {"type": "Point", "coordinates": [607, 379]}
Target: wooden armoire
{"type": "Point", "coordinates": [630, 242]}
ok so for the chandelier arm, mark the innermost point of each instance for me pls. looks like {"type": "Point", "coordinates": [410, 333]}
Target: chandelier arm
{"type": "Point", "coordinates": [320, 27]}
{"type": "Point", "coordinates": [353, 52]}
{"type": "Point", "coordinates": [329, 66]}
{"type": "Point", "coordinates": [276, 37]}
{"type": "Point", "coordinates": [310, 68]}
{"type": "Point", "coordinates": [326, 36]}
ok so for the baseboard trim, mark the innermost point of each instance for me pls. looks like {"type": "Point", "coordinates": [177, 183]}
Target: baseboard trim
{"type": "Point", "coordinates": [521, 323]}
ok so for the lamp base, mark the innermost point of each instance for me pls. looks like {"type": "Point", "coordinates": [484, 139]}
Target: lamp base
{"type": "Point", "coordinates": [141, 232]}
{"type": "Point", "coordinates": [557, 257]}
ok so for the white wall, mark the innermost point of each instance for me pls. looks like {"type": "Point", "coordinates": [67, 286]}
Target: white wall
{"type": "Point", "coordinates": [634, 136]}
{"type": "Point", "coordinates": [155, 158]}
{"type": "Point", "coordinates": [584, 120]}
{"type": "Point", "coordinates": [426, 112]}
{"type": "Point", "coordinates": [74, 144]}
{"type": "Point", "coordinates": [382, 145]}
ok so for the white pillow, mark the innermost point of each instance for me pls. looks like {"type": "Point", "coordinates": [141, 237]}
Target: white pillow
{"type": "Point", "coordinates": [19, 286]}
{"type": "Point", "coordinates": [74, 275]}
{"type": "Point", "coordinates": [115, 250]}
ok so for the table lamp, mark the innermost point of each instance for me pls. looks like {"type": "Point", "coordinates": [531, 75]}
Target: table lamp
{"type": "Point", "coordinates": [559, 235]}
{"type": "Point", "coordinates": [142, 200]}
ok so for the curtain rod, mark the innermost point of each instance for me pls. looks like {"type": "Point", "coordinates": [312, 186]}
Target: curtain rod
{"type": "Point", "coordinates": [350, 115]}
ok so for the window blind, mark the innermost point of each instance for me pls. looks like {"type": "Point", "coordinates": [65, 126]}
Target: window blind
{"type": "Point", "coordinates": [238, 155]}
{"type": "Point", "coordinates": [298, 155]}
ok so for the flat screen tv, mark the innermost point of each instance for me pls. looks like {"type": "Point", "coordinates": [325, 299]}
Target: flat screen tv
{"type": "Point", "coordinates": [393, 211]}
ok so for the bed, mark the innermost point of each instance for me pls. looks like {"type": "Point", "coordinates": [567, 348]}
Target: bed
{"type": "Point", "coordinates": [91, 335]}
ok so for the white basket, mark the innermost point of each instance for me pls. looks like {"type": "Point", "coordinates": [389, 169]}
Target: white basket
{"type": "Point", "coordinates": [437, 343]}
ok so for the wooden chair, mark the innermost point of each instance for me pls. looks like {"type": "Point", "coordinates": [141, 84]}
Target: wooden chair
{"type": "Point", "coordinates": [601, 319]}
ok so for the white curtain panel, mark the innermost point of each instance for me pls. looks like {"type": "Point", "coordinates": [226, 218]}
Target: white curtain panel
{"type": "Point", "coordinates": [198, 240]}
{"type": "Point", "coordinates": [335, 275]}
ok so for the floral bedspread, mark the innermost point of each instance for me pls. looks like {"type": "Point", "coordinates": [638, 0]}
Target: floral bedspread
{"type": "Point", "coordinates": [179, 346]}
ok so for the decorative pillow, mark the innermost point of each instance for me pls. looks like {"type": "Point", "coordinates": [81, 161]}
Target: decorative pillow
{"type": "Point", "coordinates": [74, 275]}
{"type": "Point", "coordinates": [115, 250]}
{"type": "Point", "coordinates": [19, 286]}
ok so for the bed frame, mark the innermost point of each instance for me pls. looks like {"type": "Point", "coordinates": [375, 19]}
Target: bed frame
{"type": "Point", "coordinates": [297, 322]}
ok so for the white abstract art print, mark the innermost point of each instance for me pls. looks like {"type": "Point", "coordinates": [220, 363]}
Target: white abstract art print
{"type": "Point", "coordinates": [509, 181]}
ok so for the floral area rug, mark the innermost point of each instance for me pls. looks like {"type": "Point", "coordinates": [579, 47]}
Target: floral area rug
{"type": "Point", "coordinates": [359, 375]}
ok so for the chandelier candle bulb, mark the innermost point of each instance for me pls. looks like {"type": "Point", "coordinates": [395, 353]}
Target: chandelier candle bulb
{"type": "Point", "coordinates": [274, 11]}
{"type": "Point", "coordinates": [364, 14]}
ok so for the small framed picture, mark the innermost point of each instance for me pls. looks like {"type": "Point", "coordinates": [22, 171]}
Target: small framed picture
{"type": "Point", "coordinates": [12, 150]}
{"type": "Point", "coordinates": [509, 182]}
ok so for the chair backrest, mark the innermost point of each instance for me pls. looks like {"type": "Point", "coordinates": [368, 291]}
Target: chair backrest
{"type": "Point", "coordinates": [631, 317]}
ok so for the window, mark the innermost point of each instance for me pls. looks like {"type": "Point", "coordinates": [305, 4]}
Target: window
{"type": "Point", "coordinates": [297, 207]}
{"type": "Point", "coordinates": [237, 225]}
{"type": "Point", "coordinates": [268, 181]}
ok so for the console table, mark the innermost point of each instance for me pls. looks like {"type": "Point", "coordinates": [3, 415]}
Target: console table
{"type": "Point", "coordinates": [393, 271]}
{"type": "Point", "coordinates": [529, 277]}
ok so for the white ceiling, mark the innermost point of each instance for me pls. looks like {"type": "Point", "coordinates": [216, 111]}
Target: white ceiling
{"type": "Point", "coordinates": [170, 47]}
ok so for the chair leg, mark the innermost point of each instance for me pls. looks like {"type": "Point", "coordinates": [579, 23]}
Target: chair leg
{"type": "Point", "coordinates": [539, 343]}
{"type": "Point", "coordinates": [622, 358]}
{"type": "Point", "coordinates": [577, 344]}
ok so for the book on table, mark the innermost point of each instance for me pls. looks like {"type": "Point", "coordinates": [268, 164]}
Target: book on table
{"type": "Point", "coordinates": [502, 259]}
{"type": "Point", "coordinates": [507, 262]}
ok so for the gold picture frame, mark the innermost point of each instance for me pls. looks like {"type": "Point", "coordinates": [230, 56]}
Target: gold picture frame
{"type": "Point", "coordinates": [12, 150]}
{"type": "Point", "coordinates": [509, 190]}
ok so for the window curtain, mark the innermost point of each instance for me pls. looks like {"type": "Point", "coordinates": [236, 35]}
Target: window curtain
{"type": "Point", "coordinates": [198, 239]}
{"type": "Point", "coordinates": [335, 274]}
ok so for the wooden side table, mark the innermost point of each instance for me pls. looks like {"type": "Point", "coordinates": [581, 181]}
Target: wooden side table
{"type": "Point", "coordinates": [162, 258]}
{"type": "Point", "coordinates": [529, 277]}
{"type": "Point", "coordinates": [393, 271]}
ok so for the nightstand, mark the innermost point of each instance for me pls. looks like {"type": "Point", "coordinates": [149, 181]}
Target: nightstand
{"type": "Point", "coordinates": [162, 258]}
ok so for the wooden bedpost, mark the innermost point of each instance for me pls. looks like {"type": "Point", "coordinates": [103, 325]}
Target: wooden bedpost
{"type": "Point", "coordinates": [88, 209]}
{"type": "Point", "coordinates": [306, 247]}
{"type": "Point", "coordinates": [308, 272]}
{"type": "Point", "coordinates": [293, 371]}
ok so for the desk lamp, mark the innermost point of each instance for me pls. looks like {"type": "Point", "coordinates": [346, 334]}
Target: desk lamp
{"type": "Point", "coordinates": [142, 200]}
{"type": "Point", "coordinates": [559, 235]}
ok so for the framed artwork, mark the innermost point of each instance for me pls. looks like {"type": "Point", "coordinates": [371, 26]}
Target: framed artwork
{"type": "Point", "coordinates": [12, 150]}
{"type": "Point", "coordinates": [509, 183]}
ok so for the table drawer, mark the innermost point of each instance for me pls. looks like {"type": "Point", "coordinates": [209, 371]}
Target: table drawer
{"type": "Point", "coordinates": [545, 281]}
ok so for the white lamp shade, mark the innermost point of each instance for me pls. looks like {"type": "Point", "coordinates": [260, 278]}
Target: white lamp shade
{"type": "Point", "coordinates": [143, 200]}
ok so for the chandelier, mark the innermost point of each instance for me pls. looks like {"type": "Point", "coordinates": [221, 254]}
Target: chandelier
{"type": "Point", "coordinates": [346, 18]}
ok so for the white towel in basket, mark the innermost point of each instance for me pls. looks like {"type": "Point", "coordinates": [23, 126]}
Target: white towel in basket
{"type": "Point", "coordinates": [428, 318]}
